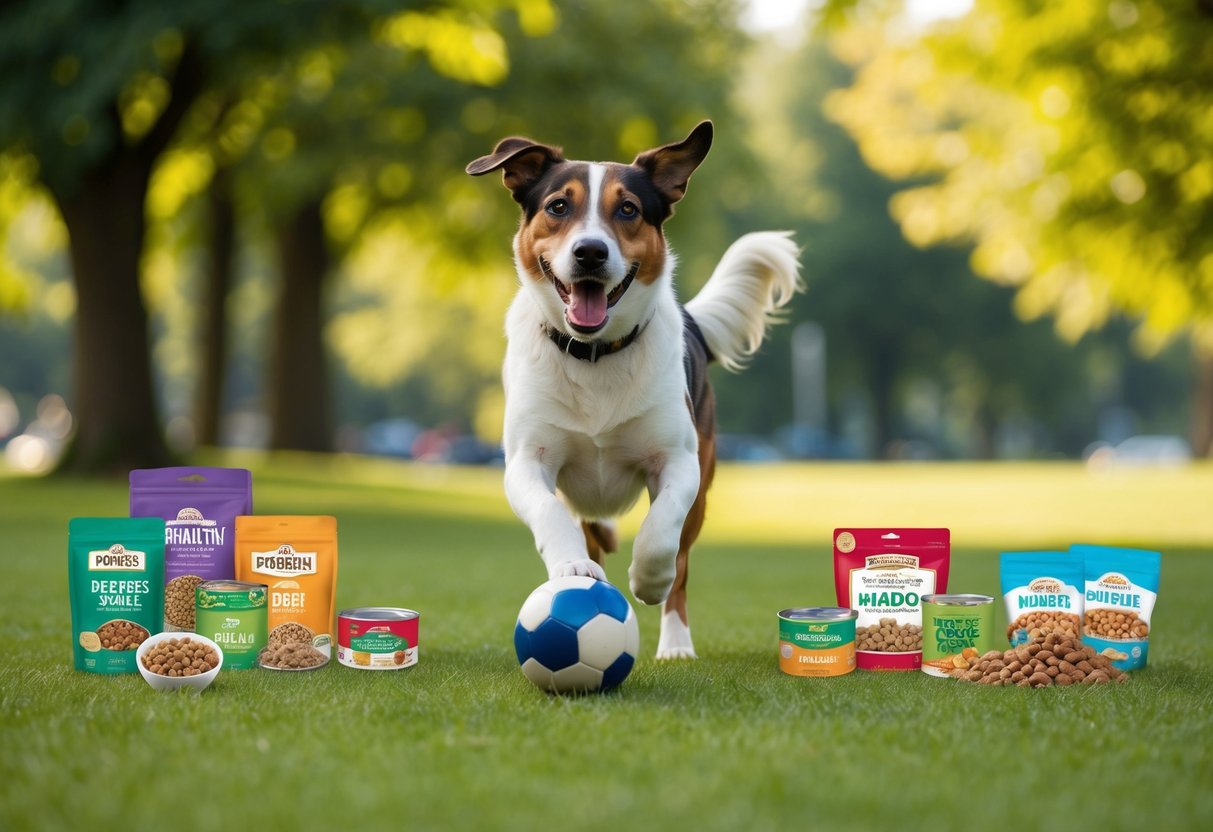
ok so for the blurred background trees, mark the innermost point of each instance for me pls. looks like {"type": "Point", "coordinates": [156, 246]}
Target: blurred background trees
{"type": "Point", "coordinates": [247, 223]}
{"type": "Point", "coordinates": [1071, 144]}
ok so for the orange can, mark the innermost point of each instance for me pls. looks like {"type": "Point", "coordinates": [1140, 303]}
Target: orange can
{"type": "Point", "coordinates": [817, 641]}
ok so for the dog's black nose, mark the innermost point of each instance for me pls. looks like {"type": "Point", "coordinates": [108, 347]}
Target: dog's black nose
{"type": "Point", "coordinates": [591, 254]}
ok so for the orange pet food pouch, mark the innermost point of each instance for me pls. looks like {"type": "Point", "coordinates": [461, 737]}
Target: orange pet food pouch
{"type": "Point", "coordinates": [296, 558]}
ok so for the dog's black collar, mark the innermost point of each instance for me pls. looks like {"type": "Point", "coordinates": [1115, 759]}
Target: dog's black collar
{"type": "Point", "coordinates": [588, 351]}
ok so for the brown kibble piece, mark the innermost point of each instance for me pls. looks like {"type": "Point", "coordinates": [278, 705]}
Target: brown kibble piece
{"type": "Point", "coordinates": [1039, 680]}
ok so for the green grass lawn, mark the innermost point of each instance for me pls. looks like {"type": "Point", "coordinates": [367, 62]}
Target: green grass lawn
{"type": "Point", "coordinates": [463, 741]}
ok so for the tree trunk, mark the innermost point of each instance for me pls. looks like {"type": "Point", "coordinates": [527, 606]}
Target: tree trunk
{"type": "Point", "coordinates": [986, 425]}
{"type": "Point", "coordinates": [114, 402]}
{"type": "Point", "coordinates": [299, 406]}
{"type": "Point", "coordinates": [222, 248]}
{"type": "Point", "coordinates": [1202, 402]}
{"type": "Point", "coordinates": [884, 376]}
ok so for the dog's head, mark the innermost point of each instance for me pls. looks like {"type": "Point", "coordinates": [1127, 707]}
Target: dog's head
{"type": "Point", "coordinates": [590, 248]}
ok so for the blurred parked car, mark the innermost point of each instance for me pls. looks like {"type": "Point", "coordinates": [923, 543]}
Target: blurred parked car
{"type": "Point", "coordinates": [445, 446]}
{"type": "Point", "coordinates": [1140, 451]}
{"type": "Point", "coordinates": [468, 450]}
{"type": "Point", "coordinates": [741, 447]}
{"type": "Point", "coordinates": [391, 437]}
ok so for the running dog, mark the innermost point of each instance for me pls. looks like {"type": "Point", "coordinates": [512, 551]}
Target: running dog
{"type": "Point", "coordinates": [605, 373]}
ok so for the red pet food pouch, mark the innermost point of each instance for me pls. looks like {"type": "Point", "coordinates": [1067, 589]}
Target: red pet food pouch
{"type": "Point", "coordinates": [883, 574]}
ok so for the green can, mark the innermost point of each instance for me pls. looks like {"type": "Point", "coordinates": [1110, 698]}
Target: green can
{"type": "Point", "coordinates": [234, 615]}
{"type": "Point", "coordinates": [817, 641]}
{"type": "Point", "coordinates": [956, 629]}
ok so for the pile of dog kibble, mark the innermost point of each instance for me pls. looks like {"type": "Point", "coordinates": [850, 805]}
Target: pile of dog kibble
{"type": "Point", "coordinates": [179, 601]}
{"type": "Point", "coordinates": [121, 635]}
{"type": "Point", "coordinates": [291, 655]}
{"type": "Point", "coordinates": [1050, 659]}
{"type": "Point", "coordinates": [1112, 623]}
{"type": "Point", "coordinates": [181, 657]}
{"type": "Point", "coordinates": [889, 637]}
{"type": "Point", "coordinates": [1038, 622]}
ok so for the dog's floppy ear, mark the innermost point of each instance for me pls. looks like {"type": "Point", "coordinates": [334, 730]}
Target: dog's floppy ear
{"type": "Point", "coordinates": [670, 167]}
{"type": "Point", "coordinates": [521, 160]}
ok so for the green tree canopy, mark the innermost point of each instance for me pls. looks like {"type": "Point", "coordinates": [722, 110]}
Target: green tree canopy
{"type": "Point", "coordinates": [1071, 142]}
{"type": "Point", "coordinates": [96, 93]}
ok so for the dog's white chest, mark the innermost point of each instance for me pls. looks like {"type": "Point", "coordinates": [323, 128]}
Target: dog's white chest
{"type": "Point", "coordinates": [601, 479]}
{"type": "Point", "coordinates": [603, 474]}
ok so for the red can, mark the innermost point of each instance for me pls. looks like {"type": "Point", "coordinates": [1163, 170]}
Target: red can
{"type": "Point", "coordinates": [377, 638]}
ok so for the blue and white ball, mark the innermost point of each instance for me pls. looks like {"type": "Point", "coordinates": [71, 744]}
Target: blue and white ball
{"type": "Point", "coordinates": [576, 634]}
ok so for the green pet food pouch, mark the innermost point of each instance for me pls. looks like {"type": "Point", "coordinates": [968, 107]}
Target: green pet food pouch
{"type": "Point", "coordinates": [115, 574]}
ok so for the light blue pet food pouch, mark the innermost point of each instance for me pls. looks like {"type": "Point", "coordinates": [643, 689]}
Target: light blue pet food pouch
{"type": "Point", "coordinates": [1043, 593]}
{"type": "Point", "coordinates": [1121, 588]}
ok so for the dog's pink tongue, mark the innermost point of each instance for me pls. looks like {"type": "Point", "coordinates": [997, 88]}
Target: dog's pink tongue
{"type": "Point", "coordinates": [587, 303]}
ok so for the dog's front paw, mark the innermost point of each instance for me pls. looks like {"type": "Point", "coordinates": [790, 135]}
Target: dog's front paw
{"type": "Point", "coordinates": [651, 579]}
{"type": "Point", "coordinates": [567, 568]}
{"type": "Point", "coordinates": [654, 566]}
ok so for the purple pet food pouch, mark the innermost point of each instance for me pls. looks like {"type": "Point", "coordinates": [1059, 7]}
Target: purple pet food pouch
{"type": "Point", "coordinates": [199, 507]}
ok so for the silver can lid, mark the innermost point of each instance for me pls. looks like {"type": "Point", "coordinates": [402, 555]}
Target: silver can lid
{"type": "Point", "coordinates": [379, 613]}
{"type": "Point", "coordinates": [818, 614]}
{"type": "Point", "coordinates": [958, 600]}
{"type": "Point", "coordinates": [230, 586]}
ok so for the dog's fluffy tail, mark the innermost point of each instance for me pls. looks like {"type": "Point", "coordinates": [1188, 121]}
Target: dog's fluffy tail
{"type": "Point", "coordinates": [758, 274]}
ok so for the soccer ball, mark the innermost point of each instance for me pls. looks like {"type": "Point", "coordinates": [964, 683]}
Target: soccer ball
{"type": "Point", "coordinates": [576, 634]}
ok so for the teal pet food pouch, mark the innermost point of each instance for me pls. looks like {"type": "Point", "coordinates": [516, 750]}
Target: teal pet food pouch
{"type": "Point", "coordinates": [1043, 592]}
{"type": "Point", "coordinates": [115, 574]}
{"type": "Point", "coordinates": [1121, 588]}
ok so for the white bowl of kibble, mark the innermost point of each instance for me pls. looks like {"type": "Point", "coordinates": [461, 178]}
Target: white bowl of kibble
{"type": "Point", "coordinates": [171, 661]}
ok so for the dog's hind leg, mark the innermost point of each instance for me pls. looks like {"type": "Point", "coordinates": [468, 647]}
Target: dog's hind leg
{"type": "Point", "coordinates": [600, 539]}
{"type": "Point", "coordinates": [675, 641]}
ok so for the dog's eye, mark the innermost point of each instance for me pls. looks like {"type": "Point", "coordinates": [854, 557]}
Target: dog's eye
{"type": "Point", "coordinates": [628, 210]}
{"type": "Point", "coordinates": [558, 207]}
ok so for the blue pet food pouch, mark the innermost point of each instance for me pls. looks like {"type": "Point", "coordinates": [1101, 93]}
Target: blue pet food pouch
{"type": "Point", "coordinates": [1121, 588]}
{"type": "Point", "coordinates": [1043, 592]}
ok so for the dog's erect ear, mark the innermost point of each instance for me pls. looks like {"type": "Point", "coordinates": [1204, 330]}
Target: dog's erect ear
{"type": "Point", "coordinates": [522, 161]}
{"type": "Point", "coordinates": [670, 167]}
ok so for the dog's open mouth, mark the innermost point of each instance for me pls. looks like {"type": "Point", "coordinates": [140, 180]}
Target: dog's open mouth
{"type": "Point", "coordinates": [586, 302]}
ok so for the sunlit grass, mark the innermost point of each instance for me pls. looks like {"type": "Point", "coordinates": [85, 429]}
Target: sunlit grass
{"type": "Point", "coordinates": [990, 505]}
{"type": "Point", "coordinates": [996, 505]}
{"type": "Point", "coordinates": [462, 741]}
